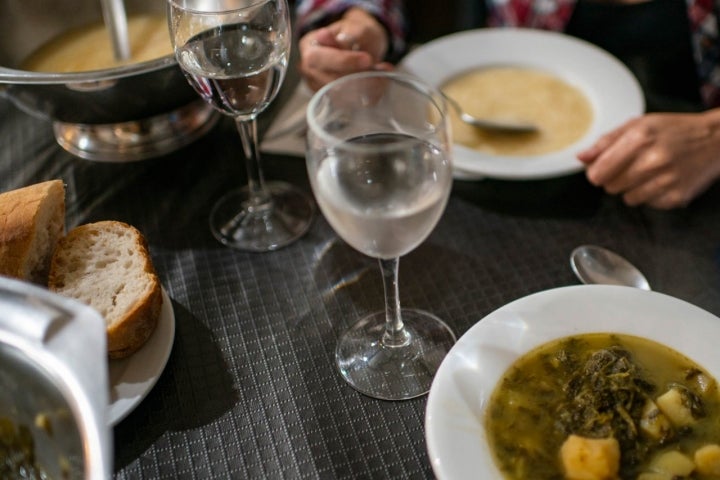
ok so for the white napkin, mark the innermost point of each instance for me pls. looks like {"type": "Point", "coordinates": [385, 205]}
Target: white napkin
{"type": "Point", "coordinates": [286, 134]}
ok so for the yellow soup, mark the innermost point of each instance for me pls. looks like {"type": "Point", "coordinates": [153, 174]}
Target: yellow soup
{"type": "Point", "coordinates": [561, 111]}
{"type": "Point", "coordinates": [90, 47]}
{"type": "Point", "coordinates": [661, 409]}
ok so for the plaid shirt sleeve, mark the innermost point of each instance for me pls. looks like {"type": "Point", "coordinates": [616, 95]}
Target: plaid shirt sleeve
{"type": "Point", "coordinates": [311, 14]}
{"type": "Point", "coordinates": [554, 15]}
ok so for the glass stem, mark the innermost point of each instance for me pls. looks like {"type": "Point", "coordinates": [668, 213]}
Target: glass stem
{"type": "Point", "coordinates": [395, 334]}
{"type": "Point", "coordinates": [259, 194]}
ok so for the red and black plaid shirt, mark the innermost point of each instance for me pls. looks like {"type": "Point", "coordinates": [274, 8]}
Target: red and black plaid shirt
{"type": "Point", "coordinates": [543, 14]}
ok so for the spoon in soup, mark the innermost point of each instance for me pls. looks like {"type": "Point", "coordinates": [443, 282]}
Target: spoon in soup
{"type": "Point", "coordinates": [116, 22]}
{"type": "Point", "coordinates": [505, 126]}
{"type": "Point", "coordinates": [593, 264]}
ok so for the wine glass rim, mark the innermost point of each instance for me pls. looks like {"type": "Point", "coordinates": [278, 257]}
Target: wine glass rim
{"type": "Point", "coordinates": [430, 91]}
{"type": "Point", "coordinates": [181, 5]}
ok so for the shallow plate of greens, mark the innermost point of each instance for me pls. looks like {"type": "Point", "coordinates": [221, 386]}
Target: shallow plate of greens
{"type": "Point", "coordinates": [455, 421]}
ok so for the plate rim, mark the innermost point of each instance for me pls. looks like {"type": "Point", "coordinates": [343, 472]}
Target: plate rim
{"type": "Point", "coordinates": [160, 347]}
{"type": "Point", "coordinates": [474, 164]}
{"type": "Point", "coordinates": [447, 417]}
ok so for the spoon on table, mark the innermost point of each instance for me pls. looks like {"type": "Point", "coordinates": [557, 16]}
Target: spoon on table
{"type": "Point", "coordinates": [508, 126]}
{"type": "Point", "coordinates": [116, 22]}
{"type": "Point", "coordinates": [593, 264]}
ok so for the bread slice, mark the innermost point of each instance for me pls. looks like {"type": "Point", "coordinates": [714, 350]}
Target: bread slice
{"type": "Point", "coordinates": [32, 220]}
{"type": "Point", "coordinates": [107, 266]}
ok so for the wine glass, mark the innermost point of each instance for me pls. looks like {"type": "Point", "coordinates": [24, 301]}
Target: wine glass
{"type": "Point", "coordinates": [235, 53]}
{"type": "Point", "coordinates": [378, 156]}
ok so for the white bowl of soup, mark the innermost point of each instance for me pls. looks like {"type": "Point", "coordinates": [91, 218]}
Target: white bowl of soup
{"type": "Point", "coordinates": [546, 367]}
{"type": "Point", "coordinates": [571, 90]}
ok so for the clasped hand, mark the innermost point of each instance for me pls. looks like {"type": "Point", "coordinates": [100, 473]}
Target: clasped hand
{"type": "Point", "coordinates": [357, 42]}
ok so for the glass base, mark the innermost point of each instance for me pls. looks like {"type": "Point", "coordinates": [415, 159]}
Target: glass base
{"type": "Point", "coordinates": [393, 373]}
{"type": "Point", "coordinates": [264, 227]}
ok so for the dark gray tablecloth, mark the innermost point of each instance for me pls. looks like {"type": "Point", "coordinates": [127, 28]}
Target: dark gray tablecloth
{"type": "Point", "coordinates": [250, 390]}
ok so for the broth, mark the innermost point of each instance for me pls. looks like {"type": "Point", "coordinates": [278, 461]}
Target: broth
{"type": "Point", "coordinates": [90, 48]}
{"type": "Point", "coordinates": [561, 111]}
{"type": "Point", "coordinates": [536, 405]}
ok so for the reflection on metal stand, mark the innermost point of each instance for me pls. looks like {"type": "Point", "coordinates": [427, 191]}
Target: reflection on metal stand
{"type": "Point", "coordinates": [137, 139]}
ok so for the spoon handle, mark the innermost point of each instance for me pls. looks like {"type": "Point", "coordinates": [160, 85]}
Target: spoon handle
{"type": "Point", "coordinates": [488, 124]}
{"type": "Point", "coordinates": [116, 22]}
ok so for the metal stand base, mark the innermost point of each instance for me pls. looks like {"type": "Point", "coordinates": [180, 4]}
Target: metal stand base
{"type": "Point", "coordinates": [137, 139]}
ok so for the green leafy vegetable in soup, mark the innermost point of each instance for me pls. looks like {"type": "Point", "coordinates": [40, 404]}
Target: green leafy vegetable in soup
{"type": "Point", "coordinates": [603, 407]}
{"type": "Point", "coordinates": [17, 452]}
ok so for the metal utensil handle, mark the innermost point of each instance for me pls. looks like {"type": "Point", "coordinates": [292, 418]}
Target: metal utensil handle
{"type": "Point", "coordinates": [116, 21]}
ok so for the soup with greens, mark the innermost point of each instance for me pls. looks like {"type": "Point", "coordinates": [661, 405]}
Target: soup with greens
{"type": "Point", "coordinates": [602, 407]}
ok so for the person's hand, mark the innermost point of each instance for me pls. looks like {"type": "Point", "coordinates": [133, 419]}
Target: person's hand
{"type": "Point", "coordinates": [661, 160]}
{"type": "Point", "coordinates": [354, 43]}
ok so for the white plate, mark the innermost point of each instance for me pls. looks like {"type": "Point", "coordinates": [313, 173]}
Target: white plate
{"type": "Point", "coordinates": [456, 440]}
{"type": "Point", "coordinates": [613, 91]}
{"type": "Point", "coordinates": [132, 378]}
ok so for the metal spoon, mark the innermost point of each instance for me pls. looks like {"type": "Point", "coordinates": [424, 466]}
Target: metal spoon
{"type": "Point", "coordinates": [487, 124]}
{"type": "Point", "coordinates": [593, 264]}
{"type": "Point", "coordinates": [116, 22]}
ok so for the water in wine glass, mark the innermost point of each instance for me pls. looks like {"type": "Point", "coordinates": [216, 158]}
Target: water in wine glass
{"type": "Point", "coordinates": [379, 162]}
{"type": "Point", "coordinates": [235, 54]}
{"type": "Point", "coordinates": [383, 203]}
{"type": "Point", "coordinates": [236, 68]}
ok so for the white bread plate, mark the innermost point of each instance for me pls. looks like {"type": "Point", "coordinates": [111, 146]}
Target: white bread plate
{"type": "Point", "coordinates": [132, 378]}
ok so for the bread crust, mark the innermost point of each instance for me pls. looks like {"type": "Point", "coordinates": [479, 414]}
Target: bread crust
{"type": "Point", "coordinates": [130, 331]}
{"type": "Point", "coordinates": [127, 336]}
{"type": "Point", "coordinates": [32, 220]}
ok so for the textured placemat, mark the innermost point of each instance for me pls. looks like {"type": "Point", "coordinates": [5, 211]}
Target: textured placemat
{"type": "Point", "coordinates": [250, 390]}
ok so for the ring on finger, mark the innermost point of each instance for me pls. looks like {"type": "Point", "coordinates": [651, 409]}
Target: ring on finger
{"type": "Point", "coordinates": [347, 41]}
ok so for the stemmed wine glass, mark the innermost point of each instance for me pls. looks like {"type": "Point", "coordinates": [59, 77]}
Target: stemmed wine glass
{"type": "Point", "coordinates": [378, 156]}
{"type": "Point", "coordinates": [235, 53]}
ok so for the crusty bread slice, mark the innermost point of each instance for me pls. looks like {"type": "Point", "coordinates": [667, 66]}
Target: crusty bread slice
{"type": "Point", "coordinates": [32, 220]}
{"type": "Point", "coordinates": [107, 266]}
